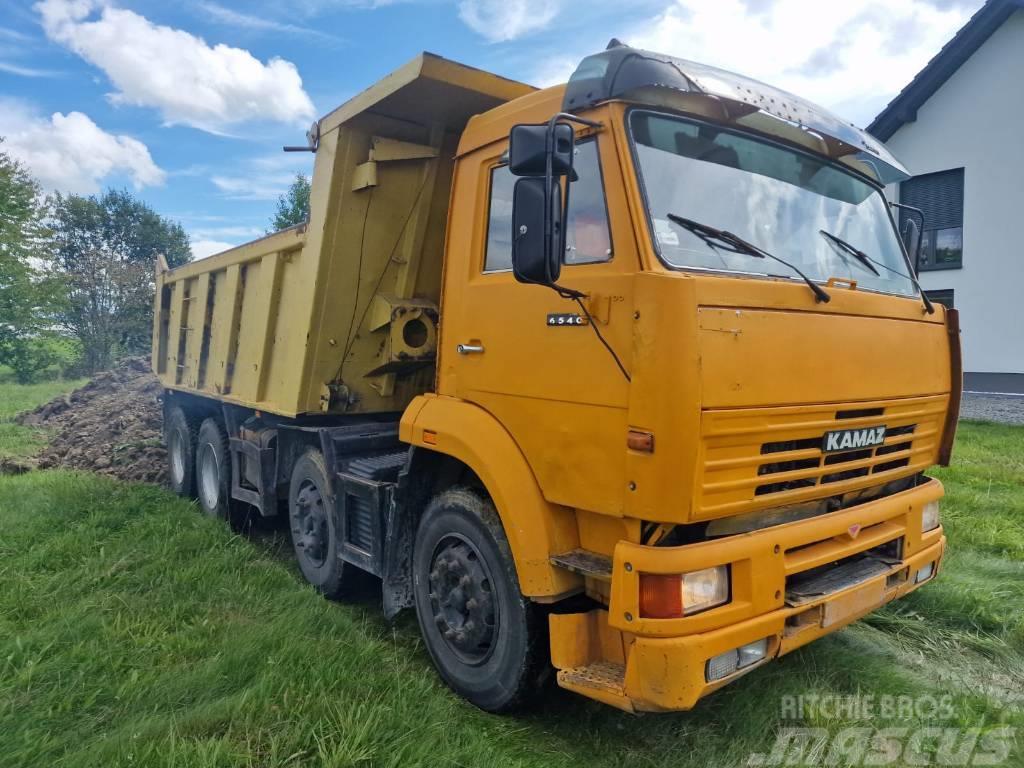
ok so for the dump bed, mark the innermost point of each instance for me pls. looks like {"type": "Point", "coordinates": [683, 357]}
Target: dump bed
{"type": "Point", "coordinates": [339, 314]}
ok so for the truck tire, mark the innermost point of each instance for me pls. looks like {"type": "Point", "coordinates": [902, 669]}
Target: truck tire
{"type": "Point", "coordinates": [213, 470]}
{"type": "Point", "coordinates": [315, 537]}
{"type": "Point", "coordinates": [488, 642]}
{"type": "Point", "coordinates": [180, 439]}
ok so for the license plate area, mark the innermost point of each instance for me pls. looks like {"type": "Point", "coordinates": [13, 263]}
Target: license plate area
{"type": "Point", "coordinates": [853, 603]}
{"type": "Point", "coordinates": [838, 610]}
{"type": "Point", "coordinates": [812, 585]}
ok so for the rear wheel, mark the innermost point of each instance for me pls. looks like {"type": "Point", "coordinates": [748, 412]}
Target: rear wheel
{"type": "Point", "coordinates": [315, 538]}
{"type": "Point", "coordinates": [213, 470]}
{"type": "Point", "coordinates": [487, 641]}
{"type": "Point", "coordinates": [180, 438]}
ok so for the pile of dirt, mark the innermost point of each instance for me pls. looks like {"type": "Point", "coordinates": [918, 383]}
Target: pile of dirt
{"type": "Point", "coordinates": [112, 425]}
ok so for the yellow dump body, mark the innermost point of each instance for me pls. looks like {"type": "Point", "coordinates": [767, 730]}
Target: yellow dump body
{"type": "Point", "coordinates": [339, 315]}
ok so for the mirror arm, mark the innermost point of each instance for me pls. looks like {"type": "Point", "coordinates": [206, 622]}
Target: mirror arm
{"type": "Point", "coordinates": [567, 293]}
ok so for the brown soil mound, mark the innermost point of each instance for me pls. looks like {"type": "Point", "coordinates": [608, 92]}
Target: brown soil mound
{"type": "Point", "coordinates": [112, 425]}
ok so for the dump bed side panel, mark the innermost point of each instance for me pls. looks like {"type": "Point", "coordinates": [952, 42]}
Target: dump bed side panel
{"type": "Point", "coordinates": [217, 322]}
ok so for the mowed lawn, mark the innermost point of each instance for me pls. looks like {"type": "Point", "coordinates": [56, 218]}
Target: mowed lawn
{"type": "Point", "coordinates": [133, 631]}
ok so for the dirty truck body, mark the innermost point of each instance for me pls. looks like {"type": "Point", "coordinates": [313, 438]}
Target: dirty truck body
{"type": "Point", "coordinates": [752, 479]}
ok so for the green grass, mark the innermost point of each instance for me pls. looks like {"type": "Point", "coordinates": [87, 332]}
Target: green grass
{"type": "Point", "coordinates": [16, 440]}
{"type": "Point", "coordinates": [134, 631]}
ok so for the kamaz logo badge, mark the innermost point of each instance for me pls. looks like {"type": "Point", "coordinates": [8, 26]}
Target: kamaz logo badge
{"type": "Point", "coordinates": [849, 439]}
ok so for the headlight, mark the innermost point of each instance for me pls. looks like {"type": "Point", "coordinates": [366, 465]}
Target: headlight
{"type": "Point", "coordinates": [930, 517]}
{"type": "Point", "coordinates": [664, 597]}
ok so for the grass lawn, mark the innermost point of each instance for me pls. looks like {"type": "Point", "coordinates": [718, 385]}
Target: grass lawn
{"type": "Point", "coordinates": [133, 631]}
{"type": "Point", "coordinates": [16, 440]}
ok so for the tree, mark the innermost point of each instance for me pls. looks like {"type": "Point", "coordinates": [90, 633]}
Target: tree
{"type": "Point", "coordinates": [293, 205]}
{"type": "Point", "coordinates": [103, 254]}
{"type": "Point", "coordinates": [25, 295]}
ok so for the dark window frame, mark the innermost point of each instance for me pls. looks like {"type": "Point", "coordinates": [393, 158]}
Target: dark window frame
{"type": "Point", "coordinates": [956, 178]}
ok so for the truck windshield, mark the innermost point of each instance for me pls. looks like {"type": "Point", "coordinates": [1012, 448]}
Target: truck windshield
{"type": "Point", "coordinates": [777, 198]}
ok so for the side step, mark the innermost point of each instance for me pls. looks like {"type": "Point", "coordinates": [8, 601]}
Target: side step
{"type": "Point", "coordinates": [602, 680]}
{"type": "Point", "coordinates": [585, 563]}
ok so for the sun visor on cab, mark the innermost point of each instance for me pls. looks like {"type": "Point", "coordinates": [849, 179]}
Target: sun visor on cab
{"type": "Point", "coordinates": [643, 77]}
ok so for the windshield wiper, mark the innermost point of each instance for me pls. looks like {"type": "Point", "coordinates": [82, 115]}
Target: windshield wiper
{"type": "Point", "coordinates": [852, 250]}
{"type": "Point", "coordinates": [869, 262]}
{"type": "Point", "coordinates": [736, 244]}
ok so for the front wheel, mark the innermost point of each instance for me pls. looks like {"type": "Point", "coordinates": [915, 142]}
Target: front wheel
{"type": "Point", "coordinates": [487, 641]}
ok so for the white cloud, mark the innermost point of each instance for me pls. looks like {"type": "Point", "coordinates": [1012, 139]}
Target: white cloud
{"type": "Point", "coordinates": [175, 72]}
{"type": "Point", "coordinates": [71, 153]}
{"type": "Point", "coordinates": [500, 20]}
{"type": "Point", "coordinates": [14, 69]}
{"type": "Point", "coordinates": [263, 178]}
{"type": "Point", "coordinates": [234, 232]}
{"type": "Point", "coordinates": [851, 57]}
{"type": "Point", "coordinates": [203, 248]}
{"type": "Point", "coordinates": [261, 23]}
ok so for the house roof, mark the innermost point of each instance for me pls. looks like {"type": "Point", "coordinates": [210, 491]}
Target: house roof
{"type": "Point", "coordinates": [903, 109]}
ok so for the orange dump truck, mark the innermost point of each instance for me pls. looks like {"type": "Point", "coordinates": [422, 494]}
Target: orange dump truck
{"type": "Point", "coordinates": [630, 377]}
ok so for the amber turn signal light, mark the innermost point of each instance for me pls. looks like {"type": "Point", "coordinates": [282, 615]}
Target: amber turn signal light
{"type": "Point", "coordinates": [660, 596]}
{"type": "Point", "coordinates": [683, 594]}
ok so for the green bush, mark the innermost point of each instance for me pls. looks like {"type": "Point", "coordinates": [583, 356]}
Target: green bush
{"type": "Point", "coordinates": [44, 355]}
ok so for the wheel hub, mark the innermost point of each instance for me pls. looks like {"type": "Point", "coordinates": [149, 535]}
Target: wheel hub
{"type": "Point", "coordinates": [176, 450]}
{"type": "Point", "coordinates": [310, 525]}
{"type": "Point", "coordinates": [209, 477]}
{"type": "Point", "coordinates": [462, 600]}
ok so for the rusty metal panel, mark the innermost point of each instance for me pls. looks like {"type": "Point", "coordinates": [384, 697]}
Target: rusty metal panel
{"type": "Point", "coordinates": [174, 330]}
{"type": "Point", "coordinates": [227, 308]}
{"type": "Point", "coordinates": [197, 315]}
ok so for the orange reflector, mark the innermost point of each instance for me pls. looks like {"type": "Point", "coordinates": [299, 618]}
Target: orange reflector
{"type": "Point", "coordinates": [661, 597]}
{"type": "Point", "coordinates": [429, 437]}
{"type": "Point", "coordinates": [640, 441]}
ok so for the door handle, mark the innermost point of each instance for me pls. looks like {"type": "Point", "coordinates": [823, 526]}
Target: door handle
{"type": "Point", "coordinates": [471, 349]}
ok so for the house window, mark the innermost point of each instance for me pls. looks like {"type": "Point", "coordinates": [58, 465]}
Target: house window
{"type": "Point", "coordinates": [587, 237]}
{"type": "Point", "coordinates": [943, 296]}
{"type": "Point", "coordinates": [941, 197]}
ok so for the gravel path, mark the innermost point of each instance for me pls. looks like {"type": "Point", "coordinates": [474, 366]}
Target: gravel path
{"type": "Point", "coordinates": [1007, 409]}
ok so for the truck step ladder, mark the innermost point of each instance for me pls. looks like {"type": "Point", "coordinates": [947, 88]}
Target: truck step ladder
{"type": "Point", "coordinates": [585, 563]}
{"type": "Point", "coordinates": [602, 680]}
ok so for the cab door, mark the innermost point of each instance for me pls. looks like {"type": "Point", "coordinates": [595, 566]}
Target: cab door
{"type": "Point", "coordinates": [527, 355]}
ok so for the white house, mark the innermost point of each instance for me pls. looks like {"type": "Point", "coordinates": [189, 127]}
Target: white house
{"type": "Point", "coordinates": [959, 128]}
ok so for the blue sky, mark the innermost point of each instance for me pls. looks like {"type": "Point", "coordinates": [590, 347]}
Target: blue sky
{"type": "Point", "coordinates": [187, 103]}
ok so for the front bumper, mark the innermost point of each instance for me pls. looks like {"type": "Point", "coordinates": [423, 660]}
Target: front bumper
{"type": "Point", "coordinates": [663, 661]}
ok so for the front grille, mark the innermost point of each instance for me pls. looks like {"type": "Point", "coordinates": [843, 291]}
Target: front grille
{"type": "Point", "coordinates": [766, 457]}
{"type": "Point", "coordinates": [899, 440]}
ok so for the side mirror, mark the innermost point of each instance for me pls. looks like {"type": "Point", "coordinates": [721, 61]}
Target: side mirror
{"type": "Point", "coordinates": [912, 241]}
{"type": "Point", "coordinates": [537, 247]}
{"type": "Point", "coordinates": [527, 149]}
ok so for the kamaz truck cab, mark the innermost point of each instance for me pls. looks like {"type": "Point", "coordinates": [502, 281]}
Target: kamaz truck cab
{"type": "Point", "coordinates": [660, 414]}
